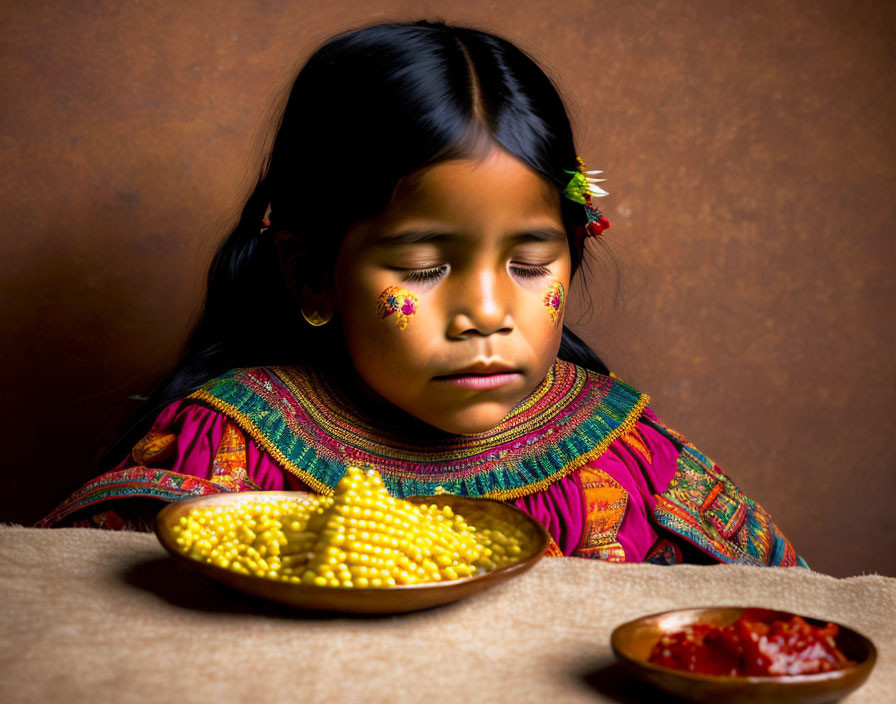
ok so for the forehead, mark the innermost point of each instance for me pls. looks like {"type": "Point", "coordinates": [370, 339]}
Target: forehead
{"type": "Point", "coordinates": [489, 193]}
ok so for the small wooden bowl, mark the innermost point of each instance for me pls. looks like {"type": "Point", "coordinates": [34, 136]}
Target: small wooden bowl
{"type": "Point", "coordinates": [633, 641]}
{"type": "Point", "coordinates": [482, 513]}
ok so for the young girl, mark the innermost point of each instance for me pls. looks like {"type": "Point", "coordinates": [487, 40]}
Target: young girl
{"type": "Point", "coordinates": [393, 296]}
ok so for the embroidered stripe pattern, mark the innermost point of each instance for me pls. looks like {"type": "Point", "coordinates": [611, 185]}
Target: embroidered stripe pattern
{"type": "Point", "coordinates": [229, 464]}
{"type": "Point", "coordinates": [605, 503]}
{"type": "Point", "coordinates": [134, 482]}
{"type": "Point", "coordinates": [553, 549]}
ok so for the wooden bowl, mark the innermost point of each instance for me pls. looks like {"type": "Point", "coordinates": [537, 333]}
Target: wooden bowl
{"type": "Point", "coordinates": [633, 641]}
{"type": "Point", "coordinates": [482, 513]}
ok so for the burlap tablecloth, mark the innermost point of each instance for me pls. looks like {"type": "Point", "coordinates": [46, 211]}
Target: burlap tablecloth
{"type": "Point", "coordinates": [95, 616]}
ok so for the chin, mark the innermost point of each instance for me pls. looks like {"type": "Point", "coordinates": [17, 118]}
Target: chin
{"type": "Point", "coordinates": [471, 421]}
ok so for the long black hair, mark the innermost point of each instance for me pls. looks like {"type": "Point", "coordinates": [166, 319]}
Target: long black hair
{"type": "Point", "coordinates": [370, 107]}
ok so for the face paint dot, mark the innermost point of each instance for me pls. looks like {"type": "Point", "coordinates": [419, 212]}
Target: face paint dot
{"type": "Point", "coordinates": [399, 302]}
{"type": "Point", "coordinates": [554, 300]}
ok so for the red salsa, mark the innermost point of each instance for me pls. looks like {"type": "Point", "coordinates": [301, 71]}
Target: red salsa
{"type": "Point", "coordinates": [758, 644]}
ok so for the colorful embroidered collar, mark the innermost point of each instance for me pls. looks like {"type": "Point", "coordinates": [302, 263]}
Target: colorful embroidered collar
{"type": "Point", "coordinates": [307, 424]}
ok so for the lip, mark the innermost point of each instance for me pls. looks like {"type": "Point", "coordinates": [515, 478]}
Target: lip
{"type": "Point", "coordinates": [484, 367]}
{"type": "Point", "coordinates": [481, 375]}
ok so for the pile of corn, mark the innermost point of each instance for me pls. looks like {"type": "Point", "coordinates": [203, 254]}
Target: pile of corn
{"type": "Point", "coordinates": [361, 537]}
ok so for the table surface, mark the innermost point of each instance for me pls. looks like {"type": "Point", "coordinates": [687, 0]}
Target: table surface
{"type": "Point", "coordinates": [92, 615]}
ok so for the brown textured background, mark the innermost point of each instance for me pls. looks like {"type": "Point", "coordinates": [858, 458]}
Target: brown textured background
{"type": "Point", "coordinates": [750, 152]}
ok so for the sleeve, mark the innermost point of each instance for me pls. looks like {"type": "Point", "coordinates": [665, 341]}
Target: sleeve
{"type": "Point", "coordinates": [190, 451]}
{"type": "Point", "coordinates": [701, 505]}
{"type": "Point", "coordinates": [652, 497]}
{"type": "Point", "coordinates": [193, 440]}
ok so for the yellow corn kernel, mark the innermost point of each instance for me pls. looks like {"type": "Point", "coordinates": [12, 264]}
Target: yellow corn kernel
{"type": "Point", "coordinates": [361, 537]}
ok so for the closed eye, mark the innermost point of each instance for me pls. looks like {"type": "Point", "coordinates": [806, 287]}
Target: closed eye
{"type": "Point", "coordinates": [424, 274]}
{"type": "Point", "coordinates": [530, 271]}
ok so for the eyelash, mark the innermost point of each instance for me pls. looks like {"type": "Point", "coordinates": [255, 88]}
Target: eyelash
{"type": "Point", "coordinates": [526, 271]}
{"type": "Point", "coordinates": [530, 271]}
{"type": "Point", "coordinates": [425, 274]}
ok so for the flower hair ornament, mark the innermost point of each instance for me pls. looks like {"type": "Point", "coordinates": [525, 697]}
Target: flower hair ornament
{"type": "Point", "coordinates": [582, 187]}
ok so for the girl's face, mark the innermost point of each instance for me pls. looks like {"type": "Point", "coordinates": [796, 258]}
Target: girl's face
{"type": "Point", "coordinates": [452, 299]}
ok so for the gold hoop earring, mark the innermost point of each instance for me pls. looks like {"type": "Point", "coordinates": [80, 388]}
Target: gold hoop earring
{"type": "Point", "coordinates": [315, 319]}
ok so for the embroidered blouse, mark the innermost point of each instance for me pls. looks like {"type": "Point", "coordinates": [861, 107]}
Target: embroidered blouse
{"type": "Point", "coordinates": [583, 454]}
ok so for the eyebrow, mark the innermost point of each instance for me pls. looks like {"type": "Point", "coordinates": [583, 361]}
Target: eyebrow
{"type": "Point", "coordinates": [419, 236]}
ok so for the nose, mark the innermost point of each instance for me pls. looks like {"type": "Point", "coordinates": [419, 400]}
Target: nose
{"type": "Point", "coordinates": [481, 306]}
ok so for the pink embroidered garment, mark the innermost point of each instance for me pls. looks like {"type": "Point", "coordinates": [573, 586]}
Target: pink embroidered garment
{"type": "Point", "coordinates": [583, 455]}
{"type": "Point", "coordinates": [562, 508]}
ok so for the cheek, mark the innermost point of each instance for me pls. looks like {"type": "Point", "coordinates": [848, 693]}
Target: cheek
{"type": "Point", "coordinates": [554, 301]}
{"type": "Point", "coordinates": [387, 333]}
{"type": "Point", "coordinates": [542, 325]}
{"type": "Point", "coordinates": [399, 303]}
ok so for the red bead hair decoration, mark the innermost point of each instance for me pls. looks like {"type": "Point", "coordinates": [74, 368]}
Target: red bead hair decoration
{"type": "Point", "coordinates": [580, 189]}
{"type": "Point", "coordinates": [597, 223]}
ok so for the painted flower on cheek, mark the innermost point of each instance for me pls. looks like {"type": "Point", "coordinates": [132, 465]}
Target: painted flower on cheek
{"type": "Point", "coordinates": [399, 302]}
{"type": "Point", "coordinates": [554, 301]}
